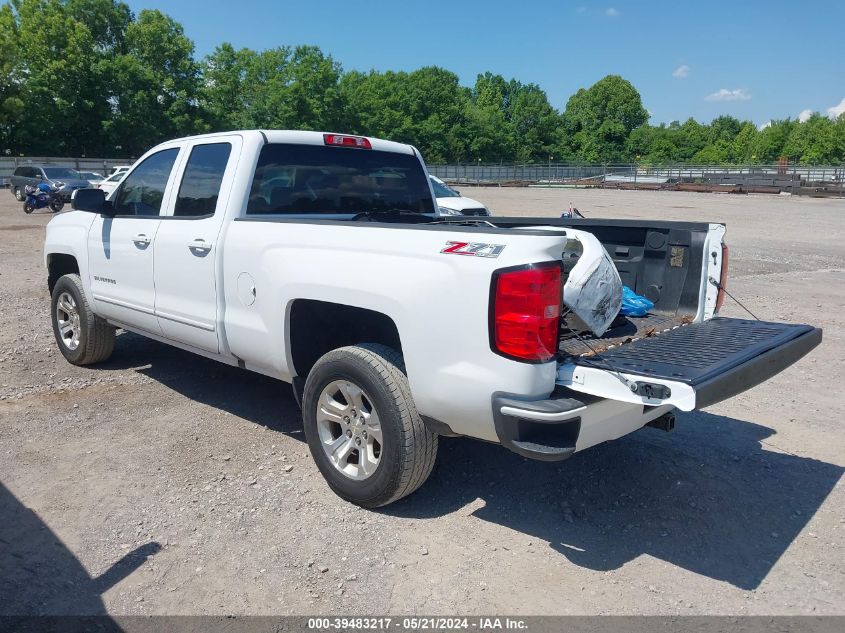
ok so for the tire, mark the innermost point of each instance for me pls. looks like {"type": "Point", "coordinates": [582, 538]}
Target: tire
{"type": "Point", "coordinates": [18, 194]}
{"type": "Point", "coordinates": [407, 450]}
{"type": "Point", "coordinates": [28, 207]}
{"type": "Point", "coordinates": [56, 205]}
{"type": "Point", "coordinates": [83, 337]}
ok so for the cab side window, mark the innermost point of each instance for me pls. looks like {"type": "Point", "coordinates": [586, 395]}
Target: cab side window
{"type": "Point", "coordinates": [201, 182]}
{"type": "Point", "coordinates": [142, 191]}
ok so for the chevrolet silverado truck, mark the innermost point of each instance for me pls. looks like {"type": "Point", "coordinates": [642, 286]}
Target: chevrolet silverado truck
{"type": "Point", "coordinates": [321, 260]}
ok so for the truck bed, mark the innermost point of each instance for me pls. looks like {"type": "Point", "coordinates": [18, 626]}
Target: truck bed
{"type": "Point", "coordinates": [623, 331]}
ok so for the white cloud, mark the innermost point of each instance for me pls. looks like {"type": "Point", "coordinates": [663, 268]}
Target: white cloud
{"type": "Point", "coordinates": [765, 125]}
{"type": "Point", "coordinates": [836, 110]}
{"type": "Point", "coordinates": [805, 115]}
{"type": "Point", "coordinates": [611, 12]}
{"type": "Point", "coordinates": [681, 72]}
{"type": "Point", "coordinates": [738, 94]}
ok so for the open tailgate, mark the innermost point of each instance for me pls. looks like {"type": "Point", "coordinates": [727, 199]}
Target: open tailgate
{"type": "Point", "coordinates": [691, 366]}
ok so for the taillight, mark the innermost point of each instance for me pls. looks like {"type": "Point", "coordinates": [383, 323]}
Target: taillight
{"type": "Point", "coordinates": [723, 278]}
{"type": "Point", "coordinates": [525, 312]}
{"type": "Point", "coordinates": [344, 140]}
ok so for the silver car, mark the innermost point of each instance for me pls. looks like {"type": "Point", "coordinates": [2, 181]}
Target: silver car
{"type": "Point", "coordinates": [66, 180]}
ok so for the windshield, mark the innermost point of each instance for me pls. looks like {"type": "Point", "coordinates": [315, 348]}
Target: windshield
{"type": "Point", "coordinates": [60, 172]}
{"type": "Point", "coordinates": [442, 191]}
{"type": "Point", "coordinates": [337, 180]}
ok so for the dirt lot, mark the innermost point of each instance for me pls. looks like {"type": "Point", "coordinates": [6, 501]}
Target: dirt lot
{"type": "Point", "coordinates": [161, 482]}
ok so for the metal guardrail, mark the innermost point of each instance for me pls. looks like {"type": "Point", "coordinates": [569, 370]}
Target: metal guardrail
{"type": "Point", "coordinates": [788, 178]}
{"type": "Point", "coordinates": [813, 180]}
{"type": "Point", "coordinates": [563, 172]}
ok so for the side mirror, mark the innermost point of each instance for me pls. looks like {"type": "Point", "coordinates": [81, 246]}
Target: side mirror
{"type": "Point", "coordinates": [92, 201]}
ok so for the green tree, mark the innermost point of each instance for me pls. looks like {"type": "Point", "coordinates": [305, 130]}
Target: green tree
{"type": "Point", "coordinates": [106, 20]}
{"type": "Point", "coordinates": [280, 87]}
{"type": "Point", "coordinates": [58, 81]}
{"type": "Point", "coordinates": [714, 153]}
{"type": "Point", "coordinates": [768, 145]}
{"type": "Point", "coordinates": [153, 86]}
{"type": "Point", "coordinates": [815, 141]}
{"type": "Point", "coordinates": [653, 145]}
{"type": "Point", "coordinates": [11, 102]}
{"type": "Point", "coordinates": [742, 148]}
{"type": "Point", "coordinates": [600, 118]}
{"type": "Point", "coordinates": [426, 107]}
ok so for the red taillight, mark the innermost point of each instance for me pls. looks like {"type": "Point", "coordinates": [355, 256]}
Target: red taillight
{"type": "Point", "coordinates": [526, 312]}
{"type": "Point", "coordinates": [343, 140]}
{"type": "Point", "coordinates": [723, 278]}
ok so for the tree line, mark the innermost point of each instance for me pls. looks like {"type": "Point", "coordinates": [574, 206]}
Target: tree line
{"type": "Point", "coordinates": [90, 78]}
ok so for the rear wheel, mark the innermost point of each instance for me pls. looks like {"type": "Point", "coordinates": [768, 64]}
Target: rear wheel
{"type": "Point", "coordinates": [82, 336]}
{"type": "Point", "coordinates": [362, 427]}
{"type": "Point", "coordinates": [56, 204]}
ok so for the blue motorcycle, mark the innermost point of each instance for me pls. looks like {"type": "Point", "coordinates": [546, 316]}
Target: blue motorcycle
{"type": "Point", "coordinates": [41, 196]}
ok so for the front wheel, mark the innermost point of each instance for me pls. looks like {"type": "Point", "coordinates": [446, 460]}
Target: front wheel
{"type": "Point", "coordinates": [363, 428]}
{"type": "Point", "coordinates": [82, 336]}
{"type": "Point", "coordinates": [28, 207]}
{"type": "Point", "coordinates": [18, 194]}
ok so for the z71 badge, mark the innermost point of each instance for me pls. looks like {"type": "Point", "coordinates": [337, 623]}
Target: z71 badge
{"type": "Point", "coordinates": [473, 249]}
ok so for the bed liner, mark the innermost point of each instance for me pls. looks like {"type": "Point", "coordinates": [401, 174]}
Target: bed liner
{"type": "Point", "coordinates": [624, 330]}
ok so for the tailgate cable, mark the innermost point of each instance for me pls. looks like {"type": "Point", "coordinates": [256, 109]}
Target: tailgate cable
{"type": "Point", "coordinates": [628, 383]}
{"type": "Point", "coordinates": [738, 302]}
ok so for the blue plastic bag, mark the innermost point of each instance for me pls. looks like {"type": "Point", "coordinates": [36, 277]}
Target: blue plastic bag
{"type": "Point", "coordinates": [633, 304]}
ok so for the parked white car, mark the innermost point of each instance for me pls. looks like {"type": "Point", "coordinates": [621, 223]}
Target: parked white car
{"type": "Point", "coordinates": [451, 202]}
{"type": "Point", "coordinates": [119, 169]}
{"type": "Point", "coordinates": [320, 259]}
{"type": "Point", "coordinates": [93, 177]}
{"type": "Point", "coordinates": [110, 184]}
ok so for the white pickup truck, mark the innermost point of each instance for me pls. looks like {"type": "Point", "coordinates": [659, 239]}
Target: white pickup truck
{"type": "Point", "coordinates": [321, 260]}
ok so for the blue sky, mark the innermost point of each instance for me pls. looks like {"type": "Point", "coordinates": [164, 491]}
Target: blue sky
{"type": "Point", "coordinates": [754, 60]}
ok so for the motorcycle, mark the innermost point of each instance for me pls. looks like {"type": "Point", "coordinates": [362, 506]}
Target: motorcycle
{"type": "Point", "coordinates": [41, 196]}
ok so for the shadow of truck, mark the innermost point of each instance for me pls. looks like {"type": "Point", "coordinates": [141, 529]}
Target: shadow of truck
{"type": "Point", "coordinates": [39, 575]}
{"type": "Point", "coordinates": [707, 497]}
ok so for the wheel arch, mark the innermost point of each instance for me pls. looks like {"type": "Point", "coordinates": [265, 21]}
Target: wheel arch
{"type": "Point", "coordinates": [316, 327]}
{"type": "Point", "coordinates": [59, 264]}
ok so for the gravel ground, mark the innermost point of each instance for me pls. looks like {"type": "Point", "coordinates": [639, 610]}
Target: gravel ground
{"type": "Point", "coordinates": [164, 483]}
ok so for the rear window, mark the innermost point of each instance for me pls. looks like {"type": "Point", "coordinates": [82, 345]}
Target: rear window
{"type": "Point", "coordinates": [337, 180]}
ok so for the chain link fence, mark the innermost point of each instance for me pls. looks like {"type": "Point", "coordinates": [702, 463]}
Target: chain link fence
{"type": "Point", "coordinates": [827, 180]}
{"type": "Point", "coordinates": [810, 180]}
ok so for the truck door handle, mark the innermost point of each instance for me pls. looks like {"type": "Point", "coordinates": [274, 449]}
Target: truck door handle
{"type": "Point", "coordinates": [141, 240]}
{"type": "Point", "coordinates": [200, 245]}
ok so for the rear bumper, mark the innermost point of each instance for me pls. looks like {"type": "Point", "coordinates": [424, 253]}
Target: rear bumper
{"type": "Point", "coordinates": [693, 367]}
{"type": "Point", "coordinates": [540, 429]}
{"type": "Point", "coordinates": [554, 428]}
